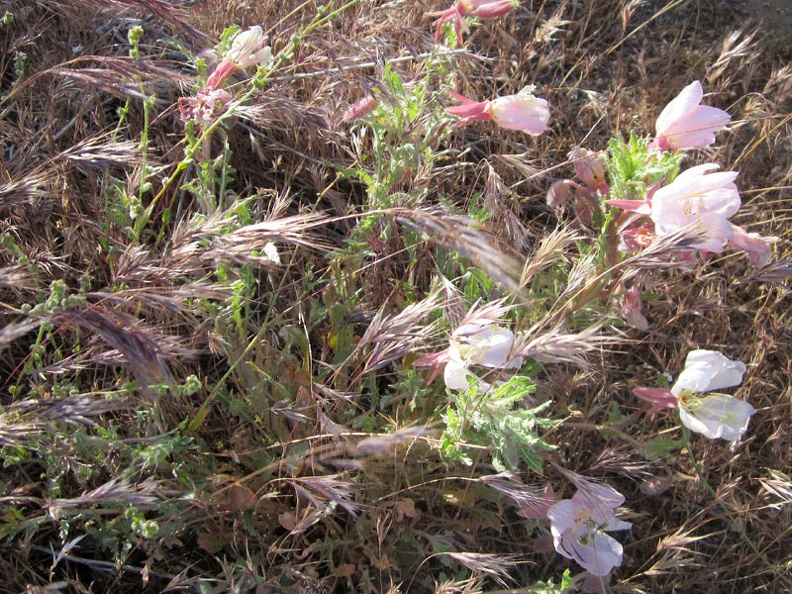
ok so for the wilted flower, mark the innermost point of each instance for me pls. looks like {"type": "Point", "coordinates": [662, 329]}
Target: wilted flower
{"type": "Point", "coordinates": [579, 527]}
{"type": "Point", "coordinates": [474, 344]}
{"type": "Point", "coordinates": [483, 9]}
{"type": "Point", "coordinates": [714, 415]}
{"type": "Point", "coordinates": [206, 106]}
{"type": "Point", "coordinates": [522, 112]}
{"type": "Point", "coordinates": [589, 168]}
{"type": "Point", "coordinates": [685, 124]}
{"type": "Point", "coordinates": [630, 309]}
{"type": "Point", "coordinates": [757, 246]}
{"type": "Point", "coordinates": [701, 199]}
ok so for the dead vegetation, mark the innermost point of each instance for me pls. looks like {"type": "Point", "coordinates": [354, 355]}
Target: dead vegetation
{"type": "Point", "coordinates": [206, 360]}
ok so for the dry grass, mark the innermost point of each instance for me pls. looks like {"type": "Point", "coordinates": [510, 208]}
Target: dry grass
{"type": "Point", "coordinates": [223, 398]}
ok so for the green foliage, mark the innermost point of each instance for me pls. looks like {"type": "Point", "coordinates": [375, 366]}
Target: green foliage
{"type": "Point", "coordinates": [401, 132]}
{"type": "Point", "coordinates": [496, 421]}
{"type": "Point", "coordinates": [632, 167]}
{"type": "Point", "coordinates": [565, 586]}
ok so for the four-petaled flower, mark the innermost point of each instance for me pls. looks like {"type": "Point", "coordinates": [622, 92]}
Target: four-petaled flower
{"type": "Point", "coordinates": [713, 415]}
{"type": "Point", "coordinates": [696, 197]}
{"type": "Point", "coordinates": [579, 527]}
{"type": "Point", "coordinates": [522, 112]}
{"type": "Point", "coordinates": [483, 9]}
{"type": "Point", "coordinates": [474, 344]}
{"type": "Point", "coordinates": [685, 124]}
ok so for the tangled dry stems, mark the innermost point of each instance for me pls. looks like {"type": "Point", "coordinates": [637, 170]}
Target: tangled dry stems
{"type": "Point", "coordinates": [273, 470]}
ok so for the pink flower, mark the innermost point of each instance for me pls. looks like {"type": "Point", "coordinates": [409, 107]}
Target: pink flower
{"type": "Point", "coordinates": [522, 112]}
{"type": "Point", "coordinates": [483, 9]}
{"type": "Point", "coordinates": [579, 524]}
{"type": "Point", "coordinates": [248, 49]}
{"type": "Point", "coordinates": [685, 124]}
{"type": "Point", "coordinates": [703, 200]}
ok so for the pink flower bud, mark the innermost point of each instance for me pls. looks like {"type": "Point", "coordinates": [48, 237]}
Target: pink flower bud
{"type": "Point", "coordinates": [558, 193]}
{"type": "Point", "coordinates": [363, 107]}
{"type": "Point", "coordinates": [485, 9]}
{"type": "Point", "coordinates": [631, 307]}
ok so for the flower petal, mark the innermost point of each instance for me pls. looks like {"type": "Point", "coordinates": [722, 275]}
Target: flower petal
{"type": "Point", "coordinates": [522, 112]}
{"type": "Point", "coordinates": [706, 371]}
{"type": "Point", "coordinates": [717, 416]}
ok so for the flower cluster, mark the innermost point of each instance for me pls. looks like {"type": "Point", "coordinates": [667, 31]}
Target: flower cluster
{"type": "Point", "coordinates": [700, 199]}
{"type": "Point", "coordinates": [638, 197]}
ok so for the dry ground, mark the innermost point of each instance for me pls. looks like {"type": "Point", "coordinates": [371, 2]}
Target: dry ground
{"type": "Point", "coordinates": [253, 469]}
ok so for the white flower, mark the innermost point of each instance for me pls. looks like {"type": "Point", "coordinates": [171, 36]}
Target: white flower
{"type": "Point", "coordinates": [715, 415]}
{"type": "Point", "coordinates": [248, 49]}
{"type": "Point", "coordinates": [473, 344]}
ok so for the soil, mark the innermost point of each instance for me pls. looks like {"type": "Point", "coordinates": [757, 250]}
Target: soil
{"type": "Point", "coordinates": [776, 15]}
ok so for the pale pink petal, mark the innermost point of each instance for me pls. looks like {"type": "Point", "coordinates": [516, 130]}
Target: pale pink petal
{"type": "Point", "coordinates": [757, 246]}
{"type": "Point", "coordinates": [685, 124]}
{"type": "Point", "coordinates": [456, 375]}
{"type": "Point", "coordinates": [698, 129]}
{"type": "Point", "coordinates": [495, 350]}
{"type": "Point", "coordinates": [597, 496]}
{"type": "Point", "coordinates": [522, 112]}
{"type": "Point", "coordinates": [679, 107]}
